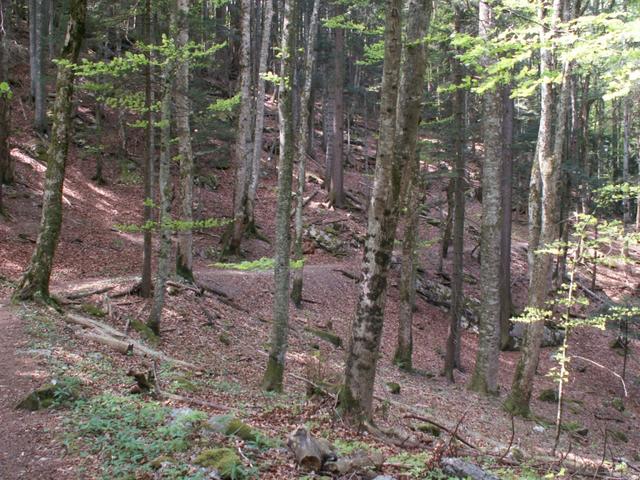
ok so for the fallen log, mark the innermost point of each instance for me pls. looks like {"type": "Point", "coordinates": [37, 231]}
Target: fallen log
{"type": "Point", "coordinates": [310, 453]}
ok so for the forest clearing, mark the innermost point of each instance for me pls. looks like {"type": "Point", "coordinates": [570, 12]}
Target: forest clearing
{"type": "Point", "coordinates": [301, 239]}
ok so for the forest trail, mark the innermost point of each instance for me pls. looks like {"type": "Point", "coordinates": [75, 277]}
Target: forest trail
{"type": "Point", "coordinates": [27, 446]}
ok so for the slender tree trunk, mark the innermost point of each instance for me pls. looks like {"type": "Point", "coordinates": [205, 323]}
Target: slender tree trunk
{"type": "Point", "coordinates": [184, 253]}
{"type": "Point", "coordinates": [301, 150]}
{"type": "Point", "coordinates": [448, 225]}
{"type": "Point", "coordinates": [327, 127]}
{"type": "Point", "coordinates": [505, 242]}
{"type": "Point", "coordinates": [549, 155]}
{"type": "Point", "coordinates": [6, 168]}
{"type": "Point", "coordinates": [485, 374]}
{"type": "Point", "coordinates": [33, 27]}
{"type": "Point", "coordinates": [147, 249]}
{"type": "Point", "coordinates": [272, 380]}
{"type": "Point", "coordinates": [337, 162]}
{"type": "Point", "coordinates": [409, 104]}
{"type": "Point", "coordinates": [41, 23]}
{"type": "Point", "coordinates": [164, 187]}
{"type": "Point", "coordinates": [626, 119]}
{"type": "Point", "coordinates": [452, 356]}
{"type": "Point", "coordinates": [243, 149]}
{"type": "Point", "coordinates": [356, 395]}
{"type": "Point", "coordinates": [267, 20]}
{"type": "Point", "coordinates": [35, 281]}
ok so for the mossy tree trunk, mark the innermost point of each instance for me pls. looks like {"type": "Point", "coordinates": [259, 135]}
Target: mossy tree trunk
{"type": "Point", "coordinates": [40, 93]}
{"type": "Point", "coordinates": [243, 148]}
{"type": "Point", "coordinates": [485, 374]}
{"type": "Point", "coordinates": [452, 355]}
{"type": "Point", "coordinates": [272, 380]}
{"type": "Point", "coordinates": [35, 281]}
{"type": "Point", "coordinates": [356, 395]}
{"type": "Point", "coordinates": [184, 252]}
{"type": "Point", "coordinates": [409, 105]}
{"type": "Point", "coordinates": [301, 149]}
{"type": "Point", "coordinates": [164, 187]}
{"type": "Point", "coordinates": [545, 207]}
{"type": "Point", "coordinates": [336, 192]}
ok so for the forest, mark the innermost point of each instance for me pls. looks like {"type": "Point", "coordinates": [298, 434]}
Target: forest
{"type": "Point", "coordinates": [305, 239]}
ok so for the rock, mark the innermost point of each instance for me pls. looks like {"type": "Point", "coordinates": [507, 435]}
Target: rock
{"type": "Point", "coordinates": [325, 335]}
{"type": "Point", "coordinates": [229, 425]}
{"type": "Point", "coordinates": [538, 429]}
{"type": "Point", "coordinates": [439, 295]}
{"type": "Point", "coordinates": [393, 387]}
{"type": "Point", "coordinates": [224, 460]}
{"type": "Point", "coordinates": [325, 239]}
{"type": "Point", "coordinates": [461, 469]}
{"type": "Point", "coordinates": [551, 337]}
{"type": "Point", "coordinates": [59, 391]}
{"type": "Point", "coordinates": [384, 477]}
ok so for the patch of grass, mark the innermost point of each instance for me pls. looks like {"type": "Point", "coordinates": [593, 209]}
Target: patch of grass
{"type": "Point", "coordinates": [93, 310]}
{"type": "Point", "coordinates": [414, 464]}
{"type": "Point", "coordinates": [344, 447]}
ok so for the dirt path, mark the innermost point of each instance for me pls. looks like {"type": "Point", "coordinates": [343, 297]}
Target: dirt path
{"type": "Point", "coordinates": [27, 449]}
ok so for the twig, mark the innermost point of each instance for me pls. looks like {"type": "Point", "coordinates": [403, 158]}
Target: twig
{"type": "Point", "coordinates": [513, 433]}
{"type": "Point", "coordinates": [79, 295]}
{"type": "Point", "coordinates": [604, 452]}
{"type": "Point", "coordinates": [624, 385]}
{"type": "Point", "coordinates": [453, 433]}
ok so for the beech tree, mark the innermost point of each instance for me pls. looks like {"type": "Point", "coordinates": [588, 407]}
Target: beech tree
{"type": "Point", "coordinates": [274, 373]}
{"type": "Point", "coordinates": [6, 164]}
{"type": "Point", "coordinates": [35, 281]}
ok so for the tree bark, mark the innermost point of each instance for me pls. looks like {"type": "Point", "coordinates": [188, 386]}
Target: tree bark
{"type": "Point", "coordinates": [35, 281]}
{"type": "Point", "coordinates": [164, 187]}
{"type": "Point", "coordinates": [301, 150]}
{"type": "Point", "coordinates": [243, 148]}
{"type": "Point", "coordinates": [452, 356]}
{"type": "Point", "coordinates": [336, 193]}
{"type": "Point", "coordinates": [356, 395]}
{"type": "Point", "coordinates": [147, 249]}
{"type": "Point", "coordinates": [485, 374]}
{"type": "Point", "coordinates": [184, 253]}
{"type": "Point", "coordinates": [409, 104]}
{"type": "Point", "coordinates": [273, 376]}
{"type": "Point", "coordinates": [267, 20]}
{"type": "Point", "coordinates": [41, 22]}
{"type": "Point", "coordinates": [549, 155]}
{"type": "Point", "coordinates": [505, 242]}
{"type": "Point", "coordinates": [6, 164]}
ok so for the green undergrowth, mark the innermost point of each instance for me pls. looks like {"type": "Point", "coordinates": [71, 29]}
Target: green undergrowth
{"type": "Point", "coordinates": [133, 438]}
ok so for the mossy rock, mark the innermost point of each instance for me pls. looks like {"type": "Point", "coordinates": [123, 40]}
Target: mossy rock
{"type": "Point", "coordinates": [429, 429]}
{"type": "Point", "coordinates": [330, 337]}
{"type": "Point", "coordinates": [394, 388]}
{"type": "Point", "coordinates": [549, 395]}
{"type": "Point", "coordinates": [224, 339]}
{"type": "Point", "coordinates": [224, 460]}
{"type": "Point", "coordinates": [144, 331]}
{"type": "Point", "coordinates": [229, 425]}
{"type": "Point", "coordinates": [158, 462]}
{"type": "Point", "coordinates": [62, 391]}
{"type": "Point", "coordinates": [93, 310]}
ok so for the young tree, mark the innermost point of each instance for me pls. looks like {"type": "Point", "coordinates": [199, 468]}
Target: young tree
{"type": "Point", "coordinates": [273, 375]}
{"type": "Point", "coordinates": [164, 187]}
{"type": "Point", "coordinates": [336, 191]}
{"type": "Point", "coordinates": [35, 281]}
{"type": "Point", "coordinates": [485, 374]}
{"type": "Point", "coordinates": [39, 27]}
{"type": "Point", "coordinates": [184, 254]}
{"type": "Point", "coordinates": [6, 166]}
{"type": "Point", "coordinates": [301, 150]}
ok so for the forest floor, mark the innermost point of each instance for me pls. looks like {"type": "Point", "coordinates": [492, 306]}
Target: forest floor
{"type": "Point", "coordinates": [226, 334]}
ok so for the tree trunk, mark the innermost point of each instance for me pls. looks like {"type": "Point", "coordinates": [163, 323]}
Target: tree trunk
{"type": "Point", "coordinates": [549, 154]}
{"type": "Point", "coordinates": [259, 124]}
{"type": "Point", "coordinates": [485, 374]}
{"type": "Point", "coordinates": [356, 395]}
{"type": "Point", "coordinates": [505, 242]}
{"type": "Point", "coordinates": [328, 113]}
{"type": "Point", "coordinates": [41, 17]}
{"type": "Point", "coordinates": [33, 27]}
{"type": "Point", "coordinates": [164, 187]}
{"type": "Point", "coordinates": [301, 150]}
{"type": "Point", "coordinates": [184, 253]}
{"type": "Point", "coordinates": [336, 194]}
{"type": "Point", "coordinates": [409, 104]}
{"type": "Point", "coordinates": [625, 158]}
{"type": "Point", "coordinates": [147, 249]}
{"type": "Point", "coordinates": [35, 281]}
{"type": "Point", "coordinates": [243, 149]}
{"type": "Point", "coordinates": [6, 164]}
{"type": "Point", "coordinates": [452, 356]}
{"type": "Point", "coordinates": [272, 380]}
